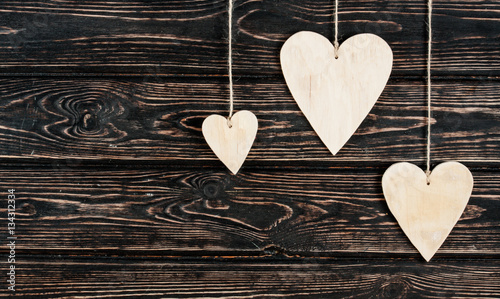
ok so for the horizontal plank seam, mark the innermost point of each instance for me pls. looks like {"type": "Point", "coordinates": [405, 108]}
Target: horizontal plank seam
{"type": "Point", "coordinates": [273, 166]}
{"type": "Point", "coordinates": [69, 76]}
{"type": "Point", "coordinates": [244, 257]}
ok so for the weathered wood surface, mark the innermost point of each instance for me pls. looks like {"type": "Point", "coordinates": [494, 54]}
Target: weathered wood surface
{"type": "Point", "coordinates": [188, 37]}
{"type": "Point", "coordinates": [335, 212]}
{"type": "Point", "coordinates": [56, 277]}
{"type": "Point", "coordinates": [127, 119]}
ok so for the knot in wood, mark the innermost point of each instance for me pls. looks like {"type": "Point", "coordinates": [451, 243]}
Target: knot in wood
{"type": "Point", "coordinates": [28, 209]}
{"type": "Point", "coordinates": [394, 287]}
{"type": "Point", "coordinates": [89, 116]}
{"type": "Point", "coordinates": [89, 122]}
{"type": "Point", "coordinates": [212, 189]}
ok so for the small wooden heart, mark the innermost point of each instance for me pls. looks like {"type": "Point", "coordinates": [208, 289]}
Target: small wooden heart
{"type": "Point", "coordinates": [231, 144]}
{"type": "Point", "coordinates": [427, 212]}
{"type": "Point", "coordinates": [335, 95]}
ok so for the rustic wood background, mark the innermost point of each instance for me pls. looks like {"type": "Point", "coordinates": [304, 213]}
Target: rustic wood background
{"type": "Point", "coordinates": [118, 195]}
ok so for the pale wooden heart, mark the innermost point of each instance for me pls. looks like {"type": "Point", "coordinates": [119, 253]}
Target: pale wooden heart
{"type": "Point", "coordinates": [427, 213]}
{"type": "Point", "coordinates": [335, 95]}
{"type": "Point", "coordinates": [231, 144]}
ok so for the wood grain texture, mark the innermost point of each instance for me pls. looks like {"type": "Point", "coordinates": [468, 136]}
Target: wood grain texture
{"type": "Point", "coordinates": [127, 119]}
{"type": "Point", "coordinates": [335, 88]}
{"type": "Point", "coordinates": [56, 277]}
{"type": "Point", "coordinates": [337, 212]}
{"type": "Point", "coordinates": [231, 138]}
{"type": "Point", "coordinates": [178, 38]}
{"type": "Point", "coordinates": [118, 195]}
{"type": "Point", "coordinates": [427, 206]}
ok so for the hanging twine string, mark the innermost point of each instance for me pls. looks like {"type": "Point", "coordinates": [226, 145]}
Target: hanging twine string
{"type": "Point", "coordinates": [230, 62]}
{"type": "Point", "coordinates": [336, 42]}
{"type": "Point", "coordinates": [429, 56]}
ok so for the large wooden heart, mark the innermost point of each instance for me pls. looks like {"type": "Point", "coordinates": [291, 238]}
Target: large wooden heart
{"type": "Point", "coordinates": [335, 94]}
{"type": "Point", "coordinates": [427, 212]}
{"type": "Point", "coordinates": [231, 143]}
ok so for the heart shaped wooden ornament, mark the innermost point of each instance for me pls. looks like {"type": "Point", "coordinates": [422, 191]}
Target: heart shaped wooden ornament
{"type": "Point", "coordinates": [231, 141]}
{"type": "Point", "coordinates": [427, 212]}
{"type": "Point", "coordinates": [335, 94]}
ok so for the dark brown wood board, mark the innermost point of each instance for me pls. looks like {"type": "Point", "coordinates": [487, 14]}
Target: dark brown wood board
{"type": "Point", "coordinates": [127, 119]}
{"type": "Point", "coordinates": [182, 38]}
{"type": "Point", "coordinates": [119, 196]}
{"type": "Point", "coordinates": [331, 212]}
{"type": "Point", "coordinates": [48, 277]}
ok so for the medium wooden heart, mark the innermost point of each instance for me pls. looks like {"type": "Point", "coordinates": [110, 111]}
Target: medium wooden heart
{"type": "Point", "coordinates": [427, 212]}
{"type": "Point", "coordinates": [335, 94]}
{"type": "Point", "coordinates": [231, 144]}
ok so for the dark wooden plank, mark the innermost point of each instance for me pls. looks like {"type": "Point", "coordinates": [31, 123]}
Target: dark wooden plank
{"type": "Point", "coordinates": [60, 277]}
{"type": "Point", "coordinates": [161, 121]}
{"type": "Point", "coordinates": [189, 37]}
{"type": "Point", "coordinates": [337, 212]}
{"type": "Point", "coordinates": [118, 195]}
